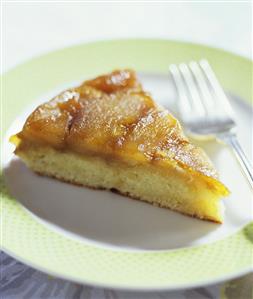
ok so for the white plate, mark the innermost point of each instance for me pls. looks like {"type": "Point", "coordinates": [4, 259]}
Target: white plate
{"type": "Point", "coordinates": [119, 222]}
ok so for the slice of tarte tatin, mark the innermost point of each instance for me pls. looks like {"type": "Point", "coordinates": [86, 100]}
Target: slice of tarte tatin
{"type": "Point", "coordinates": [109, 133]}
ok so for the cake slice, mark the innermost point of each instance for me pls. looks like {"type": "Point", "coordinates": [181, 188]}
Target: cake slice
{"type": "Point", "coordinates": [109, 133]}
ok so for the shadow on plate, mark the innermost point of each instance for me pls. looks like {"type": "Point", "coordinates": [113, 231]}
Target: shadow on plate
{"type": "Point", "coordinates": [102, 216]}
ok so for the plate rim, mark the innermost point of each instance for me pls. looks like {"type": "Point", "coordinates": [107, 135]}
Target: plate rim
{"type": "Point", "coordinates": [124, 288]}
{"type": "Point", "coordinates": [109, 40]}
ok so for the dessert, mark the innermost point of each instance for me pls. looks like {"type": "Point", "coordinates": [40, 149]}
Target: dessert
{"type": "Point", "coordinates": [109, 133]}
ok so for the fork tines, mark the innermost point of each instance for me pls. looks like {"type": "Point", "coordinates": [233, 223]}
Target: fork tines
{"type": "Point", "coordinates": [199, 91]}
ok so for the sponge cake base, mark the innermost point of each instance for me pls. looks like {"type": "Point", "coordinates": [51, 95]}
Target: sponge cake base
{"type": "Point", "coordinates": [173, 188]}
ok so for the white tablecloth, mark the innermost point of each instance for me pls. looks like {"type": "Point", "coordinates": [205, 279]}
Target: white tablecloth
{"type": "Point", "coordinates": [32, 28]}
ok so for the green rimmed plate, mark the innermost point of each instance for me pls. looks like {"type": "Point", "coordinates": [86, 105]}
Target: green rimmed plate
{"type": "Point", "coordinates": [52, 251]}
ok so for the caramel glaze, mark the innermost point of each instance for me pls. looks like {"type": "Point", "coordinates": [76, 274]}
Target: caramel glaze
{"type": "Point", "coordinates": [112, 116]}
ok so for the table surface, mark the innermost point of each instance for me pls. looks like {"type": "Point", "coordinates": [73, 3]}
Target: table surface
{"type": "Point", "coordinates": [32, 28]}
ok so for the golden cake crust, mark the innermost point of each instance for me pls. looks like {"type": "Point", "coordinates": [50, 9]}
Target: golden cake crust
{"type": "Point", "coordinates": [112, 116]}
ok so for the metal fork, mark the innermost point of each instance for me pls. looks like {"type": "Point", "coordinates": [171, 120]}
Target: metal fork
{"type": "Point", "coordinates": [205, 109]}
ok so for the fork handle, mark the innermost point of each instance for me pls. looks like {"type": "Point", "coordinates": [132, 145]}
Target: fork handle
{"type": "Point", "coordinates": [232, 141]}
